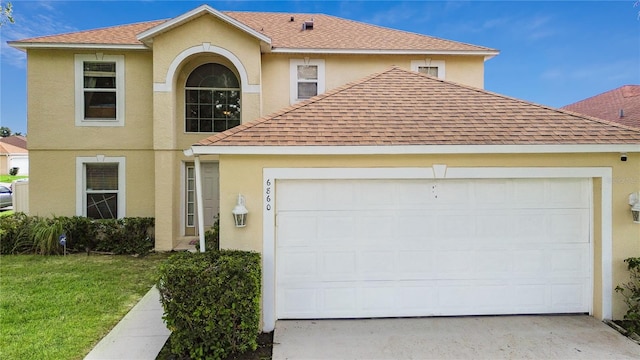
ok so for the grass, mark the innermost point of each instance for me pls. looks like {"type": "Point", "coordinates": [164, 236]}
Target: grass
{"type": "Point", "coordinates": [10, 178]}
{"type": "Point", "coordinates": [59, 307]}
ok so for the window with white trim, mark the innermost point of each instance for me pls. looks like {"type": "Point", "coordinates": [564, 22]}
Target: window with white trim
{"type": "Point", "coordinates": [99, 90]}
{"type": "Point", "coordinates": [434, 68]}
{"type": "Point", "coordinates": [212, 99]}
{"type": "Point", "coordinates": [100, 194]}
{"type": "Point", "coordinates": [306, 78]}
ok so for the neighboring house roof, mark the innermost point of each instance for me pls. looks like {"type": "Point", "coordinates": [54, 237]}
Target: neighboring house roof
{"type": "Point", "coordinates": [621, 105]}
{"type": "Point", "coordinates": [329, 34]}
{"type": "Point", "coordinates": [8, 149]}
{"type": "Point", "coordinates": [15, 140]}
{"type": "Point", "coordinates": [399, 107]}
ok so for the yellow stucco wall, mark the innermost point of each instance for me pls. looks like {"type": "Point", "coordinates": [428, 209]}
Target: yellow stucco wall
{"type": "Point", "coordinates": [51, 104]}
{"type": "Point", "coordinates": [52, 181]}
{"type": "Point", "coordinates": [342, 69]}
{"type": "Point", "coordinates": [243, 174]}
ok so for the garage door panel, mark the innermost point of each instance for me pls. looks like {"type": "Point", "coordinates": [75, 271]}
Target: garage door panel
{"type": "Point", "coordinates": [297, 230]}
{"type": "Point", "coordinates": [427, 247]}
{"type": "Point", "coordinates": [339, 265]}
{"type": "Point", "coordinates": [298, 264]}
{"type": "Point", "coordinates": [336, 227]}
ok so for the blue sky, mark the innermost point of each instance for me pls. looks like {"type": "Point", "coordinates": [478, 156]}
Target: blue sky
{"type": "Point", "coordinates": [551, 52]}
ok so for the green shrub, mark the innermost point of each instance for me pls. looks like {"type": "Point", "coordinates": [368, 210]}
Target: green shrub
{"type": "Point", "coordinates": [211, 302]}
{"type": "Point", "coordinates": [45, 235]}
{"type": "Point", "coordinates": [124, 236]}
{"type": "Point", "coordinates": [14, 171]}
{"type": "Point", "coordinates": [20, 233]}
{"type": "Point", "coordinates": [211, 238]}
{"type": "Point", "coordinates": [631, 293]}
{"type": "Point", "coordinates": [16, 234]}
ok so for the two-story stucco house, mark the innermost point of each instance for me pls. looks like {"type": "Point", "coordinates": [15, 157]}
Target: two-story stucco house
{"type": "Point", "coordinates": [379, 178]}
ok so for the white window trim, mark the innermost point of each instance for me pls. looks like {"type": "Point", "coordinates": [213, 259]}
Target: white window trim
{"type": "Point", "coordinates": [79, 89]}
{"type": "Point", "coordinates": [81, 199]}
{"type": "Point", "coordinates": [415, 64]}
{"type": "Point", "coordinates": [293, 76]}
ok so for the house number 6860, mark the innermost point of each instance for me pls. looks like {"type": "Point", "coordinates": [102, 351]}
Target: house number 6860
{"type": "Point", "coordinates": [267, 191]}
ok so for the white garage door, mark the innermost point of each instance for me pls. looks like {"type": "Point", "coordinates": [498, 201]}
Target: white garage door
{"type": "Point", "coordinates": [385, 248]}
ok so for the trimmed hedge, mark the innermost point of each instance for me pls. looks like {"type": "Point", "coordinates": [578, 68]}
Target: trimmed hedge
{"type": "Point", "coordinates": [21, 234]}
{"type": "Point", "coordinates": [631, 292]}
{"type": "Point", "coordinates": [211, 302]}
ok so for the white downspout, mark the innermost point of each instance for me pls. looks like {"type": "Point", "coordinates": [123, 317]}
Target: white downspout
{"type": "Point", "coordinates": [199, 203]}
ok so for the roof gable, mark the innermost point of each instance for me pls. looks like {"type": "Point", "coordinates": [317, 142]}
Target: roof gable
{"type": "Point", "coordinates": [399, 107]}
{"type": "Point", "coordinates": [621, 105]}
{"type": "Point", "coordinates": [147, 35]}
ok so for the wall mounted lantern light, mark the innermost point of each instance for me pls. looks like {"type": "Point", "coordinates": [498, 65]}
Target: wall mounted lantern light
{"type": "Point", "coordinates": [240, 212]}
{"type": "Point", "coordinates": [634, 202]}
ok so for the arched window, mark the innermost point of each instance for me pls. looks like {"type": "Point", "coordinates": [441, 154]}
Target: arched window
{"type": "Point", "coordinates": [212, 99]}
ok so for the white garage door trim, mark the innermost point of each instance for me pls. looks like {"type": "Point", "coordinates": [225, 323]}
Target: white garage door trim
{"type": "Point", "coordinates": [271, 175]}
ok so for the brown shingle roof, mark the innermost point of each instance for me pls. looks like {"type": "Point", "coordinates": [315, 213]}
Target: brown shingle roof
{"type": "Point", "coordinates": [399, 107]}
{"type": "Point", "coordinates": [116, 35]}
{"type": "Point", "coordinates": [329, 32]}
{"type": "Point", "coordinates": [610, 104]}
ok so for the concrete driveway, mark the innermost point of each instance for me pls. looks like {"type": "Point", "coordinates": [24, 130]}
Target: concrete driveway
{"type": "Point", "coordinates": [481, 337]}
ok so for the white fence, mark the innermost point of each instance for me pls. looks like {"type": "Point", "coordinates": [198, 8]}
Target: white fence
{"type": "Point", "coordinates": [21, 196]}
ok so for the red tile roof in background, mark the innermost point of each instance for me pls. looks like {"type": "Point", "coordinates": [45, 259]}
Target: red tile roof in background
{"type": "Point", "coordinates": [399, 107]}
{"type": "Point", "coordinates": [15, 140]}
{"type": "Point", "coordinates": [610, 105]}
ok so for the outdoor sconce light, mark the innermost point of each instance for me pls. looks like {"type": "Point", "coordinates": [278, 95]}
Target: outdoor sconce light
{"type": "Point", "coordinates": [240, 212]}
{"type": "Point", "coordinates": [634, 202]}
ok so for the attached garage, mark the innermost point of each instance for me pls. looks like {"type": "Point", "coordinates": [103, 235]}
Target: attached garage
{"type": "Point", "coordinates": [440, 200]}
{"type": "Point", "coordinates": [384, 248]}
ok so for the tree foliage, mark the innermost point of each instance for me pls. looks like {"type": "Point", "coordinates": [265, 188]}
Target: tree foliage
{"type": "Point", "coordinates": [6, 13]}
{"type": "Point", "coordinates": [5, 131]}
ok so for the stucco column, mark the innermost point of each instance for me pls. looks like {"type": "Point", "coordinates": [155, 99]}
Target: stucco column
{"type": "Point", "coordinates": [165, 199]}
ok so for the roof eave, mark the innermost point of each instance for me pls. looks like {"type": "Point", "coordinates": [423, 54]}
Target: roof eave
{"type": "Point", "coordinates": [24, 46]}
{"type": "Point", "coordinates": [488, 54]}
{"type": "Point", "coordinates": [411, 149]}
{"type": "Point", "coordinates": [147, 35]}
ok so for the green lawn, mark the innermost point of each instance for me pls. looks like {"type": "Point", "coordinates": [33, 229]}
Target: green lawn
{"type": "Point", "coordinates": [9, 178]}
{"type": "Point", "coordinates": [59, 307]}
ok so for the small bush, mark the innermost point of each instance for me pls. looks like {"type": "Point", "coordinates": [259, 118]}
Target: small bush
{"type": "Point", "coordinates": [14, 171]}
{"type": "Point", "coordinates": [16, 234]}
{"type": "Point", "coordinates": [631, 293]}
{"type": "Point", "coordinates": [211, 238]}
{"type": "Point", "coordinates": [45, 235]}
{"type": "Point", "coordinates": [124, 236]}
{"type": "Point", "coordinates": [211, 302]}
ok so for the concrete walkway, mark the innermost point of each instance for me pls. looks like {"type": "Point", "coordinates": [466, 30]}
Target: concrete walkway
{"type": "Point", "coordinates": [477, 337]}
{"type": "Point", "coordinates": [140, 335]}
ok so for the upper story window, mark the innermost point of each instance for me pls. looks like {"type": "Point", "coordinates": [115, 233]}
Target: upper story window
{"type": "Point", "coordinates": [99, 93]}
{"type": "Point", "coordinates": [212, 99]}
{"type": "Point", "coordinates": [434, 68]}
{"type": "Point", "coordinates": [306, 78]}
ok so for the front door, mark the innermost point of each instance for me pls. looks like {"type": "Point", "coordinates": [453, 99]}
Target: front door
{"type": "Point", "coordinates": [210, 196]}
